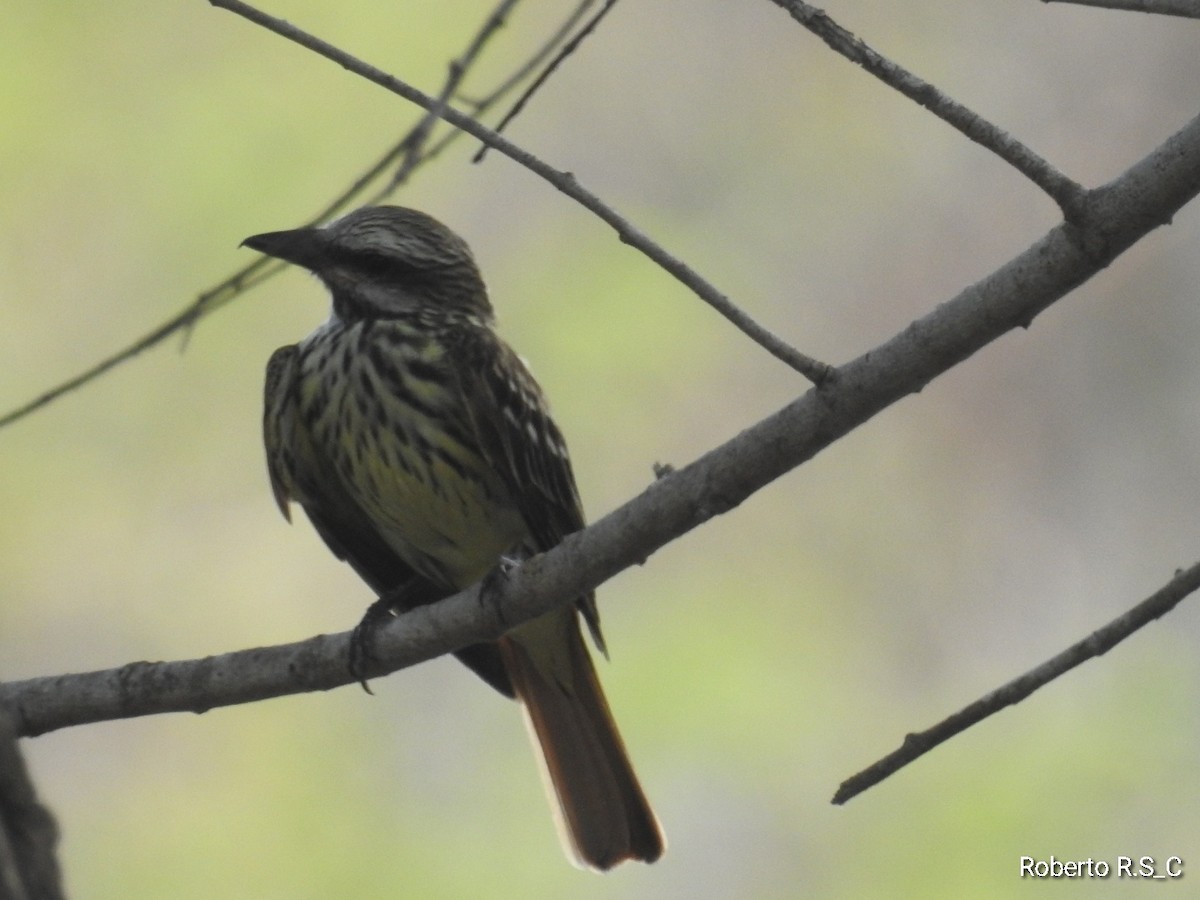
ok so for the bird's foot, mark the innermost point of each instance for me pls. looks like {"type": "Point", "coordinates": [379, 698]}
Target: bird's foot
{"type": "Point", "coordinates": [491, 589]}
{"type": "Point", "coordinates": [361, 656]}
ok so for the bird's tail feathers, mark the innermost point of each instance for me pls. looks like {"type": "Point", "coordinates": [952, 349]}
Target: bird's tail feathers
{"type": "Point", "coordinates": [602, 814]}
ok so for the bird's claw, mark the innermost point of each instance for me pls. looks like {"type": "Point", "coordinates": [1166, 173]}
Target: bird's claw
{"type": "Point", "coordinates": [361, 657]}
{"type": "Point", "coordinates": [491, 589]}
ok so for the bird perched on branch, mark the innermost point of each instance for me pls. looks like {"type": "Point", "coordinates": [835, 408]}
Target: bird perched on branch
{"type": "Point", "coordinates": [423, 452]}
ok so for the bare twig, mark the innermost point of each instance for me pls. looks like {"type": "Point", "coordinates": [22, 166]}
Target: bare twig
{"type": "Point", "coordinates": [813, 369]}
{"type": "Point", "coordinates": [1187, 8]}
{"type": "Point", "coordinates": [1099, 642]}
{"type": "Point", "coordinates": [208, 301]}
{"type": "Point", "coordinates": [481, 106]}
{"type": "Point", "coordinates": [549, 46]}
{"type": "Point", "coordinates": [568, 48]}
{"type": "Point", "coordinates": [413, 149]}
{"type": "Point", "coordinates": [1065, 192]}
{"type": "Point", "coordinates": [1116, 216]}
{"type": "Point", "coordinates": [262, 269]}
{"type": "Point", "coordinates": [414, 143]}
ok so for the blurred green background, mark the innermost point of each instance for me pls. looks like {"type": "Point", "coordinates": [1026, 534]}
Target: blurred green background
{"type": "Point", "coordinates": [959, 539]}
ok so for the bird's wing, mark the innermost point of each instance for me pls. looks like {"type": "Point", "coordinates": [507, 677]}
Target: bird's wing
{"type": "Point", "coordinates": [520, 442]}
{"type": "Point", "coordinates": [300, 473]}
{"type": "Point", "coordinates": [516, 435]}
{"type": "Point", "coordinates": [279, 419]}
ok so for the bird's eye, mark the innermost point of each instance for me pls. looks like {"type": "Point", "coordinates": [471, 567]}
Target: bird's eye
{"type": "Point", "coordinates": [376, 265]}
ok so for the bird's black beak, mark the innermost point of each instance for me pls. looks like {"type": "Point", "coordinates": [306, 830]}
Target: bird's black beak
{"type": "Point", "coordinates": [302, 246]}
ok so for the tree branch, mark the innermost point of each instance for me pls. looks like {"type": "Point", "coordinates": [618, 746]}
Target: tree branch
{"type": "Point", "coordinates": [1187, 8]}
{"type": "Point", "coordinates": [567, 49]}
{"type": "Point", "coordinates": [814, 370]}
{"type": "Point", "coordinates": [205, 303]}
{"type": "Point", "coordinates": [260, 270]}
{"type": "Point", "coordinates": [1113, 218]}
{"type": "Point", "coordinates": [1096, 644]}
{"type": "Point", "coordinates": [413, 144]}
{"type": "Point", "coordinates": [1062, 190]}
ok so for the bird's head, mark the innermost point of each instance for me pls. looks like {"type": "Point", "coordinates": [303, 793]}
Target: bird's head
{"type": "Point", "coordinates": [385, 262]}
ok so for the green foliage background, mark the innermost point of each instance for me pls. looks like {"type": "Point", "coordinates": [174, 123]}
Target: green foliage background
{"type": "Point", "coordinates": [959, 539]}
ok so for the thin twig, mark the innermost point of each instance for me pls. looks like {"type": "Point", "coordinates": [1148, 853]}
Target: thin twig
{"type": "Point", "coordinates": [1065, 192]}
{"type": "Point", "coordinates": [478, 107]}
{"type": "Point", "coordinates": [551, 44]}
{"type": "Point", "coordinates": [1187, 8]}
{"type": "Point", "coordinates": [208, 301]}
{"type": "Point", "coordinates": [550, 69]}
{"type": "Point", "coordinates": [813, 369]}
{"type": "Point", "coordinates": [1099, 642]}
{"type": "Point", "coordinates": [419, 136]}
{"type": "Point", "coordinates": [262, 269]}
{"type": "Point", "coordinates": [412, 147]}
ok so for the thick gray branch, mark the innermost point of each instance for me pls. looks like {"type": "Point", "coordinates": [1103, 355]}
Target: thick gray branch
{"type": "Point", "coordinates": [1112, 218]}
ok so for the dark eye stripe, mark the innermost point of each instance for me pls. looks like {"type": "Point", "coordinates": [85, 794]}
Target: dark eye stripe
{"type": "Point", "coordinates": [374, 264]}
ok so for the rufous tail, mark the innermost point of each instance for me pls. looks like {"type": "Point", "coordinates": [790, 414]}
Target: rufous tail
{"type": "Point", "coordinates": [604, 816]}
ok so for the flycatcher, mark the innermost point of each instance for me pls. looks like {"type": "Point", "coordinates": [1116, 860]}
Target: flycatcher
{"type": "Point", "coordinates": [423, 452]}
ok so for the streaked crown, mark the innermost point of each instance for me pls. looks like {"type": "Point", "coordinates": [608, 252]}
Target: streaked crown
{"type": "Point", "coordinates": [385, 262]}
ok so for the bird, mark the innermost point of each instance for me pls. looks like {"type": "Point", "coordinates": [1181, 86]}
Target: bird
{"type": "Point", "coordinates": [423, 452]}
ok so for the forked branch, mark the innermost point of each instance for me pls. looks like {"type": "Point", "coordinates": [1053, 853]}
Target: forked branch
{"type": "Point", "coordinates": [1066, 193]}
{"type": "Point", "coordinates": [814, 370]}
